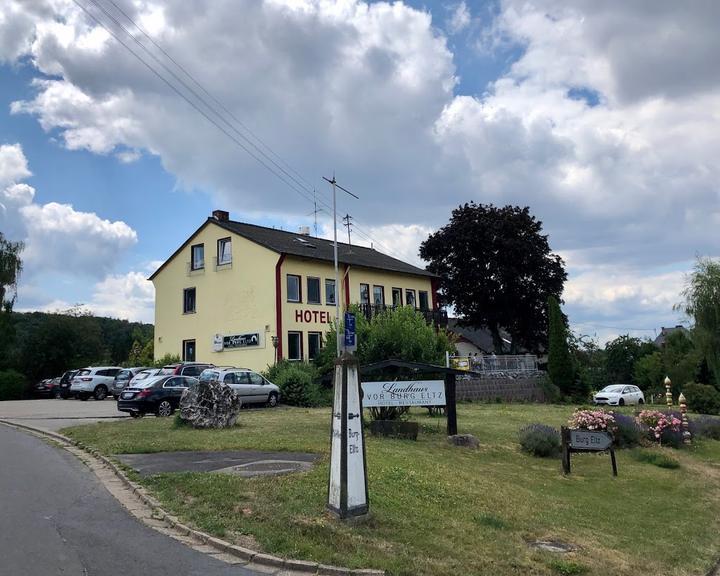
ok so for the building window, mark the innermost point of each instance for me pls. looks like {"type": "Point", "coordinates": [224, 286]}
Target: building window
{"type": "Point", "coordinates": [293, 288]}
{"type": "Point", "coordinates": [314, 344]}
{"type": "Point", "coordinates": [397, 297]}
{"type": "Point", "coordinates": [189, 301]}
{"type": "Point", "coordinates": [197, 257]}
{"type": "Point", "coordinates": [410, 298]}
{"type": "Point", "coordinates": [330, 292]}
{"type": "Point", "coordinates": [188, 351]}
{"type": "Point", "coordinates": [423, 297]}
{"type": "Point", "coordinates": [364, 294]}
{"type": "Point", "coordinates": [295, 346]}
{"type": "Point", "coordinates": [224, 251]}
{"type": "Point", "coordinates": [378, 296]}
{"type": "Point", "coordinates": [313, 293]}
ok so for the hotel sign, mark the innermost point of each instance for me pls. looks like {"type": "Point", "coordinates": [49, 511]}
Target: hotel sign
{"type": "Point", "coordinates": [235, 341]}
{"type": "Point", "coordinates": [241, 340]}
{"type": "Point", "coordinates": [410, 393]}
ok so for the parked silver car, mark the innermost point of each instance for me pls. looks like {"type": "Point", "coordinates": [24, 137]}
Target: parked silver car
{"type": "Point", "coordinates": [123, 378]}
{"type": "Point", "coordinates": [93, 381]}
{"type": "Point", "coordinates": [251, 386]}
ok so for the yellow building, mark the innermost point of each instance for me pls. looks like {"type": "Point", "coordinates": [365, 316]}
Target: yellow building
{"type": "Point", "coordinates": [244, 295]}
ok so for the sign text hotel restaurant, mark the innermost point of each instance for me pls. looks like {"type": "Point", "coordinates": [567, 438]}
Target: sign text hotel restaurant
{"type": "Point", "coordinates": [410, 393]}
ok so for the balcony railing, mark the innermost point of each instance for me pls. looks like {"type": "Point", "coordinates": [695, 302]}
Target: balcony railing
{"type": "Point", "coordinates": [494, 364]}
{"type": "Point", "coordinates": [437, 317]}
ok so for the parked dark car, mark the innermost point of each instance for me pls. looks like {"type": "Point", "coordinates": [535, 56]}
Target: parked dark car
{"type": "Point", "coordinates": [159, 395]}
{"type": "Point", "coordinates": [186, 368]}
{"type": "Point", "coordinates": [64, 388]}
{"type": "Point", "coordinates": [122, 379]}
{"type": "Point", "coordinates": [48, 388]}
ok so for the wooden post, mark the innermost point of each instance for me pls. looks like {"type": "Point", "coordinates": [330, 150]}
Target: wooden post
{"type": "Point", "coordinates": [450, 404]}
{"type": "Point", "coordinates": [565, 439]}
{"type": "Point", "coordinates": [668, 394]}
{"type": "Point", "coordinates": [687, 437]}
{"type": "Point", "coordinates": [612, 459]}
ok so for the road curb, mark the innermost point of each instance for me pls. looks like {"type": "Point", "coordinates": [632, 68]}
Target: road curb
{"type": "Point", "coordinates": [246, 555]}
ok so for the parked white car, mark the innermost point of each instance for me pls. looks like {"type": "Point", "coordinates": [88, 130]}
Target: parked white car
{"type": "Point", "coordinates": [251, 386]}
{"type": "Point", "coordinates": [94, 381]}
{"type": "Point", "coordinates": [619, 395]}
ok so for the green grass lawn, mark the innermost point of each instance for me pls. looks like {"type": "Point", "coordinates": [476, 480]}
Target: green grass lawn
{"type": "Point", "coordinates": [442, 510]}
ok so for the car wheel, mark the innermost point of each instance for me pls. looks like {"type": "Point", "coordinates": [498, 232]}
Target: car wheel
{"type": "Point", "coordinates": [100, 392]}
{"type": "Point", "coordinates": [83, 397]}
{"type": "Point", "coordinates": [164, 409]}
{"type": "Point", "coordinates": [621, 402]}
{"type": "Point", "coordinates": [137, 414]}
{"type": "Point", "coordinates": [58, 395]}
{"type": "Point", "coordinates": [641, 401]}
{"type": "Point", "coordinates": [272, 399]}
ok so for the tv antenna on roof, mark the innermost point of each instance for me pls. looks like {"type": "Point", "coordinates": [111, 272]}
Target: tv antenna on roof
{"type": "Point", "coordinates": [334, 185]}
{"type": "Point", "coordinates": [315, 211]}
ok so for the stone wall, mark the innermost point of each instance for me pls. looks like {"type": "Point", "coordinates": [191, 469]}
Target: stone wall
{"type": "Point", "coordinates": [506, 386]}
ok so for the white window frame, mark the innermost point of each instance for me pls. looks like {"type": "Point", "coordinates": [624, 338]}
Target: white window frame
{"type": "Point", "coordinates": [224, 256]}
{"type": "Point", "coordinates": [319, 293]}
{"type": "Point", "coordinates": [299, 336]}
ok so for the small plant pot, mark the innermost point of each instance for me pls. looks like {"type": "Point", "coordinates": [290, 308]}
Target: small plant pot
{"type": "Point", "coordinates": [395, 429]}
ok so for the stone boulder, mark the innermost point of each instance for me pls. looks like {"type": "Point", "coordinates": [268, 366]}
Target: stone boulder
{"type": "Point", "coordinates": [467, 440]}
{"type": "Point", "coordinates": [210, 404]}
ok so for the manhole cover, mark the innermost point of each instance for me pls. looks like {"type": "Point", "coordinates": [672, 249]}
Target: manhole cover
{"type": "Point", "coordinates": [267, 468]}
{"type": "Point", "coordinates": [552, 546]}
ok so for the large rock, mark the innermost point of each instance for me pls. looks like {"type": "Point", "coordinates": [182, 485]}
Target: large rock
{"type": "Point", "coordinates": [210, 405]}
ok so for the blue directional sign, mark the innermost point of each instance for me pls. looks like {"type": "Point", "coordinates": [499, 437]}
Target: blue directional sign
{"type": "Point", "coordinates": [350, 339]}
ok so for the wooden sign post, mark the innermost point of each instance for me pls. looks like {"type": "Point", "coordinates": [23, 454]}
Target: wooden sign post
{"type": "Point", "coordinates": [586, 441]}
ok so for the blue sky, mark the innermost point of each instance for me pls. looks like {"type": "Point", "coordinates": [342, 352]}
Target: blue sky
{"type": "Point", "coordinates": [503, 102]}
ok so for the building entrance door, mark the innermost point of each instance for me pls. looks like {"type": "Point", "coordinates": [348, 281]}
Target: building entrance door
{"type": "Point", "coordinates": [189, 350]}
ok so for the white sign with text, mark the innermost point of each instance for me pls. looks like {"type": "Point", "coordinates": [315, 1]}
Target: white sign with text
{"type": "Point", "coordinates": [409, 393]}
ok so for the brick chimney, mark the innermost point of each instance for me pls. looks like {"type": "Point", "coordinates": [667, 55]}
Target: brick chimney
{"type": "Point", "coordinates": [221, 215]}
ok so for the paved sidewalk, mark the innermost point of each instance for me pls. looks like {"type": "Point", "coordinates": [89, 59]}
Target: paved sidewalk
{"type": "Point", "coordinates": [56, 414]}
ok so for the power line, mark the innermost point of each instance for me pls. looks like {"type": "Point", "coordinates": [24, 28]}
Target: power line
{"type": "Point", "coordinates": [296, 184]}
{"type": "Point", "coordinates": [193, 92]}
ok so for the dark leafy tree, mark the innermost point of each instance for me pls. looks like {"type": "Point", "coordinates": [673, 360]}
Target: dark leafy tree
{"type": "Point", "coordinates": [560, 364]}
{"type": "Point", "coordinates": [702, 304]}
{"type": "Point", "coordinates": [10, 268]}
{"type": "Point", "coordinates": [621, 355]}
{"type": "Point", "coordinates": [497, 270]}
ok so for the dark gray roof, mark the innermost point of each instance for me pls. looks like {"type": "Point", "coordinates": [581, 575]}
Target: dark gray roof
{"type": "Point", "coordinates": [665, 332]}
{"type": "Point", "coordinates": [479, 337]}
{"type": "Point", "coordinates": [296, 244]}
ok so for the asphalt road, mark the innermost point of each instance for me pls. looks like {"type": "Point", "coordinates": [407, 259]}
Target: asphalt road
{"type": "Point", "coordinates": [56, 414]}
{"type": "Point", "coordinates": [56, 518]}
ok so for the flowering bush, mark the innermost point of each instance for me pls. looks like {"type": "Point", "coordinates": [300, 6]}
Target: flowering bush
{"type": "Point", "coordinates": [658, 423]}
{"type": "Point", "coordinates": [540, 440]}
{"type": "Point", "coordinates": [592, 420]}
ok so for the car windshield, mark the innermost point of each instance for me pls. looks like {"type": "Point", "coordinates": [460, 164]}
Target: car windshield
{"type": "Point", "coordinates": [83, 373]}
{"type": "Point", "coordinates": [144, 374]}
{"type": "Point", "coordinates": [614, 388]}
{"type": "Point", "coordinates": [168, 370]}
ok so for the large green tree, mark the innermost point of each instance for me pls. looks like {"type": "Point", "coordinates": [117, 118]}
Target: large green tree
{"type": "Point", "coordinates": [10, 268]}
{"type": "Point", "coordinates": [621, 355]}
{"type": "Point", "coordinates": [561, 368]}
{"type": "Point", "coordinates": [497, 271]}
{"type": "Point", "coordinates": [702, 303]}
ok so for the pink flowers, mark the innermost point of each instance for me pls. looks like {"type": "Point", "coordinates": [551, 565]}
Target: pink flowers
{"type": "Point", "coordinates": [592, 420]}
{"type": "Point", "coordinates": [658, 422]}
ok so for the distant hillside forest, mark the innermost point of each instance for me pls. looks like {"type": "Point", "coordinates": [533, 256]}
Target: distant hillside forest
{"type": "Point", "coordinates": [43, 345]}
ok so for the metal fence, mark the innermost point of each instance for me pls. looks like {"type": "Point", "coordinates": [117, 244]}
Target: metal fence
{"type": "Point", "coordinates": [492, 363]}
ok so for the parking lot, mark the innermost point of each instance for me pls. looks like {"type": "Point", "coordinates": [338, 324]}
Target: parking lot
{"type": "Point", "coordinates": [56, 414]}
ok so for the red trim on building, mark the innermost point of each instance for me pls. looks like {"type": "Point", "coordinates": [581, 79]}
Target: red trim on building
{"type": "Point", "coordinates": [435, 301]}
{"type": "Point", "coordinates": [278, 306]}
{"type": "Point", "coordinates": [346, 277]}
